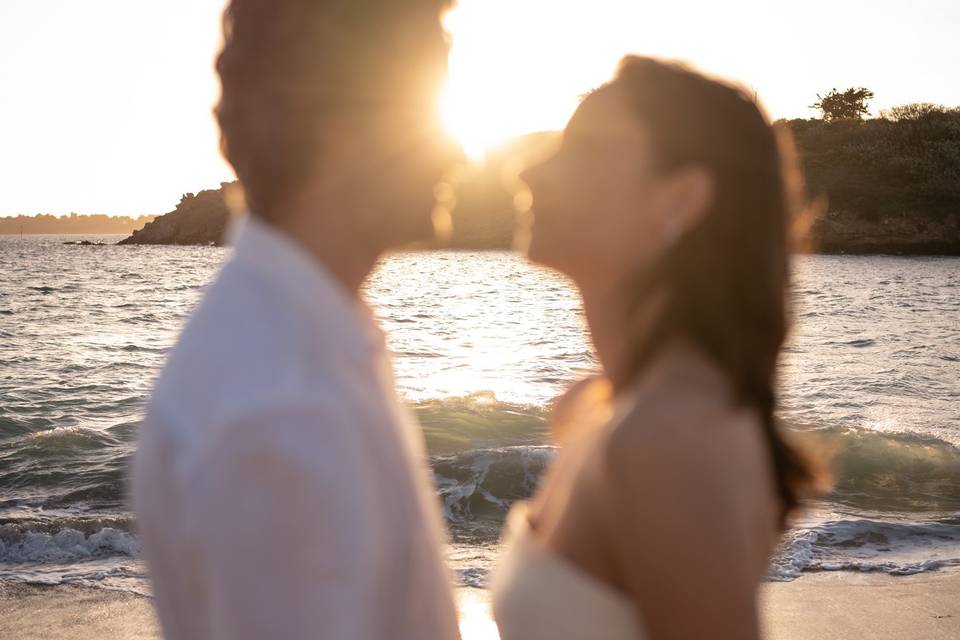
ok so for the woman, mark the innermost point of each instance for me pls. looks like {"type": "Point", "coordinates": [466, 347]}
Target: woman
{"type": "Point", "coordinates": [668, 205]}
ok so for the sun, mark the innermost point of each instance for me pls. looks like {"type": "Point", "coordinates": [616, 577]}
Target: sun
{"type": "Point", "coordinates": [486, 110]}
{"type": "Point", "coordinates": [513, 69]}
{"type": "Point", "coordinates": [466, 121]}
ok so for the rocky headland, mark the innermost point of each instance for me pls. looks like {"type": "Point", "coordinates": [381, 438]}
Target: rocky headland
{"type": "Point", "coordinates": [891, 187]}
{"type": "Point", "coordinates": [199, 219]}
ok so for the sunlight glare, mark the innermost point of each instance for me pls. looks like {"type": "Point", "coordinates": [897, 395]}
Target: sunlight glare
{"type": "Point", "coordinates": [514, 69]}
{"type": "Point", "coordinates": [476, 622]}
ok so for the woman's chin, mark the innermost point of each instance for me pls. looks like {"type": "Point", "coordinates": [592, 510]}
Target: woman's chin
{"type": "Point", "coordinates": [414, 228]}
{"type": "Point", "coordinates": [542, 253]}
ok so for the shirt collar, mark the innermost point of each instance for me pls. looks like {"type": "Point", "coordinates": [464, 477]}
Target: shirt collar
{"type": "Point", "coordinates": [304, 280]}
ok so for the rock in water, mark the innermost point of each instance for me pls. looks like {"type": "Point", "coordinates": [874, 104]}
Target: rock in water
{"type": "Point", "coordinates": [198, 219]}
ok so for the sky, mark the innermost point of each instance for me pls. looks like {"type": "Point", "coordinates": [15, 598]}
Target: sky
{"type": "Point", "coordinates": [105, 105]}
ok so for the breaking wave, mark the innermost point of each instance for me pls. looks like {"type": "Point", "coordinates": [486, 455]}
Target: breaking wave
{"type": "Point", "coordinates": [68, 545]}
{"type": "Point", "coordinates": [485, 455]}
{"type": "Point", "coordinates": [894, 548]}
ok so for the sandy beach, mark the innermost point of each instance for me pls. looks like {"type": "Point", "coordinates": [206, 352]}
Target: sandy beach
{"type": "Point", "coordinates": [848, 606]}
{"type": "Point", "coordinates": [835, 606]}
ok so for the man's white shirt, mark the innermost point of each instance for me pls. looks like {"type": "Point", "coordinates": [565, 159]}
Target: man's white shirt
{"type": "Point", "coordinates": [280, 486]}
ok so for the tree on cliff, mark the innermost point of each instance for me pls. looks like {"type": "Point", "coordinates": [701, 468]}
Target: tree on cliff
{"type": "Point", "coordinates": [844, 105]}
{"type": "Point", "coordinates": [905, 163]}
{"type": "Point", "coordinates": [914, 111]}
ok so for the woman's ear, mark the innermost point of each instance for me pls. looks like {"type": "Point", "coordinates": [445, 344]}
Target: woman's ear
{"type": "Point", "coordinates": [690, 195]}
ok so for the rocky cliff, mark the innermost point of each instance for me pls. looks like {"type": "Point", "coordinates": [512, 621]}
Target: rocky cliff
{"type": "Point", "coordinates": [899, 197]}
{"type": "Point", "coordinates": [846, 232]}
{"type": "Point", "coordinates": [198, 219]}
{"type": "Point", "coordinates": [201, 220]}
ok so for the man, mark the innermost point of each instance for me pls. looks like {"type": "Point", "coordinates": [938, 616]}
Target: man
{"type": "Point", "coordinates": [279, 485]}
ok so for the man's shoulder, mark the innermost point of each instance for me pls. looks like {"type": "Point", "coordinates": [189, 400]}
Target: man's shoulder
{"type": "Point", "coordinates": [305, 430]}
{"type": "Point", "coordinates": [239, 312]}
{"type": "Point", "coordinates": [240, 351]}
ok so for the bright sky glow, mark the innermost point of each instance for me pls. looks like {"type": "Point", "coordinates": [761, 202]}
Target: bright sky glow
{"type": "Point", "coordinates": [105, 104]}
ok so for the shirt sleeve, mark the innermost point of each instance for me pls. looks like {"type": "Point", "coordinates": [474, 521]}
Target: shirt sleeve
{"type": "Point", "coordinates": [286, 529]}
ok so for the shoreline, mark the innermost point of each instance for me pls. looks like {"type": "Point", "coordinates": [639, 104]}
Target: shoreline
{"type": "Point", "coordinates": [850, 605]}
{"type": "Point", "coordinates": [817, 605]}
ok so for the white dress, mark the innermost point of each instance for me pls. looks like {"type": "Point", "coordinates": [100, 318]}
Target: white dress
{"type": "Point", "coordinates": [540, 595]}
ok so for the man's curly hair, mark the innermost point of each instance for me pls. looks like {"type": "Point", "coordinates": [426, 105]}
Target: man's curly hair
{"type": "Point", "coordinates": [287, 66]}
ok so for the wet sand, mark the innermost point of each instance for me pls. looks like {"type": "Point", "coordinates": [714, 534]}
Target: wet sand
{"type": "Point", "coordinates": [849, 606]}
{"type": "Point", "coordinates": [79, 613]}
{"type": "Point", "coordinates": [835, 606]}
{"type": "Point", "coordinates": [28, 613]}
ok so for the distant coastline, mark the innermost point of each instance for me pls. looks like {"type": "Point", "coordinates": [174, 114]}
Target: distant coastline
{"type": "Point", "coordinates": [890, 187]}
{"type": "Point", "coordinates": [73, 224]}
{"type": "Point", "coordinates": [203, 222]}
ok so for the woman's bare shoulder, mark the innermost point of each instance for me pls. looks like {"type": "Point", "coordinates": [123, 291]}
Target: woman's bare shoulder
{"type": "Point", "coordinates": [702, 457]}
{"type": "Point", "coordinates": [689, 427]}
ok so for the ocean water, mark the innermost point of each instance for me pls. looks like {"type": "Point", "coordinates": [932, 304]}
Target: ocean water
{"type": "Point", "coordinates": [482, 342]}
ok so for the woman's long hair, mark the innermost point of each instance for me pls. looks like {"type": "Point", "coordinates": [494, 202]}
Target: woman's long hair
{"type": "Point", "coordinates": [725, 282]}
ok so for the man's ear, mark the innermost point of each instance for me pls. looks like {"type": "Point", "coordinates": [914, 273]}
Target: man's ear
{"type": "Point", "coordinates": [690, 195]}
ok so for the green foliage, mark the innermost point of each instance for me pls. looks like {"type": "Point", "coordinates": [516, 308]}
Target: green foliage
{"type": "Point", "coordinates": [904, 164]}
{"type": "Point", "coordinates": [912, 111]}
{"type": "Point", "coordinates": [846, 105]}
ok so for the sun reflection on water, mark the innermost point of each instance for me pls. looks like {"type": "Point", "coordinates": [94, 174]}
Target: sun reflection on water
{"type": "Point", "coordinates": [476, 620]}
